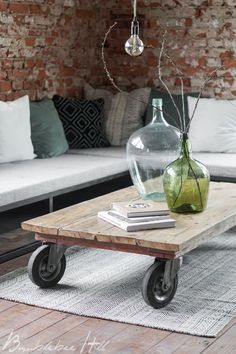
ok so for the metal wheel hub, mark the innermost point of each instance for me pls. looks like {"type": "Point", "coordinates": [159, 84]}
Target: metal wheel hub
{"type": "Point", "coordinates": [162, 291]}
{"type": "Point", "coordinates": [45, 273]}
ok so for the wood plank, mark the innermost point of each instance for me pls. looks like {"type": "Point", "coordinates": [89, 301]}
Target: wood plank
{"type": "Point", "coordinates": [224, 344]}
{"type": "Point", "coordinates": [51, 223]}
{"type": "Point", "coordinates": [49, 334]}
{"type": "Point", "coordinates": [5, 304]}
{"type": "Point", "coordinates": [18, 316]}
{"type": "Point", "coordinates": [40, 324]}
{"type": "Point", "coordinates": [181, 343]}
{"type": "Point", "coordinates": [14, 235]}
{"type": "Point", "coordinates": [17, 237]}
{"type": "Point", "coordinates": [14, 264]}
{"type": "Point", "coordinates": [190, 231]}
{"type": "Point", "coordinates": [81, 222]}
{"type": "Point", "coordinates": [136, 340]}
{"type": "Point", "coordinates": [93, 329]}
{"type": "Point", "coordinates": [103, 334]}
{"type": "Point", "coordinates": [72, 338]}
{"type": "Point", "coordinates": [168, 344]}
{"type": "Point", "coordinates": [68, 241]}
{"type": "Point", "coordinates": [96, 329]}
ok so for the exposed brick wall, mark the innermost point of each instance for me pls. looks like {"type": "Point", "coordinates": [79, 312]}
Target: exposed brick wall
{"type": "Point", "coordinates": [201, 36]}
{"type": "Point", "coordinates": [52, 46]}
{"type": "Point", "coordinates": [42, 46]}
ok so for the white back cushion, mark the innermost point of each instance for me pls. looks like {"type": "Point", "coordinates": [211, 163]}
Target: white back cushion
{"type": "Point", "coordinates": [213, 128]}
{"type": "Point", "coordinates": [15, 131]}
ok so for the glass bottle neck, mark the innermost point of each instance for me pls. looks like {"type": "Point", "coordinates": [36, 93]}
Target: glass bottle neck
{"type": "Point", "coordinates": [157, 116]}
{"type": "Point", "coordinates": [186, 151]}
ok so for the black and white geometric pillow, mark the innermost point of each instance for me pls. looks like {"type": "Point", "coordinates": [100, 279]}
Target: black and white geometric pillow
{"type": "Point", "coordinates": [82, 121]}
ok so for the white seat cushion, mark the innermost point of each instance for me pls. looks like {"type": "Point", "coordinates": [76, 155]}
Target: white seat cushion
{"type": "Point", "coordinates": [24, 180]}
{"type": "Point", "coordinates": [218, 164]}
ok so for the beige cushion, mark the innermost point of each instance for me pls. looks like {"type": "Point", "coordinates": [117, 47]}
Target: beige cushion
{"type": "Point", "coordinates": [123, 112]}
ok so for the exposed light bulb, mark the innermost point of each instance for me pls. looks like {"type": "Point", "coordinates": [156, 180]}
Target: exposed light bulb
{"type": "Point", "coordinates": [134, 46]}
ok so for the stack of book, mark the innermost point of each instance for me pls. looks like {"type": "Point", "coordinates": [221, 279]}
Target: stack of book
{"type": "Point", "coordinates": [135, 216]}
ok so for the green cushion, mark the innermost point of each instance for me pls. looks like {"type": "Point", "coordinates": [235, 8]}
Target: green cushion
{"type": "Point", "coordinates": [47, 132]}
{"type": "Point", "coordinates": [169, 110]}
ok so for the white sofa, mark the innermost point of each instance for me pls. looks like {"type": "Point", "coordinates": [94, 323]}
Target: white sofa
{"type": "Point", "coordinates": [28, 181]}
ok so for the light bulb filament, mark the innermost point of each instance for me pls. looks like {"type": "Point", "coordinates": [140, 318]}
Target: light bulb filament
{"type": "Point", "coordinates": [134, 46]}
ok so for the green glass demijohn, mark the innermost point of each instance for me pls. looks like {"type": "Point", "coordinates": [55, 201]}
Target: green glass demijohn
{"type": "Point", "coordinates": [149, 150]}
{"type": "Point", "coordinates": [186, 182]}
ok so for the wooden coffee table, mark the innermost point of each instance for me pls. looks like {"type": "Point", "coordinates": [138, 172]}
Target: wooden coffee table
{"type": "Point", "coordinates": [79, 225]}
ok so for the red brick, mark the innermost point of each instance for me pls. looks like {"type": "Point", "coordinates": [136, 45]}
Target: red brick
{"type": "Point", "coordinates": [32, 84]}
{"type": "Point", "coordinates": [29, 63]}
{"type": "Point", "coordinates": [202, 61]}
{"type": "Point", "coordinates": [226, 54]}
{"type": "Point", "coordinates": [191, 71]}
{"type": "Point", "coordinates": [67, 71]}
{"type": "Point", "coordinates": [186, 81]}
{"type": "Point", "coordinates": [41, 75]}
{"type": "Point", "coordinates": [5, 86]}
{"type": "Point", "coordinates": [3, 6]}
{"type": "Point", "coordinates": [229, 63]}
{"type": "Point", "coordinates": [37, 9]}
{"type": "Point", "coordinates": [19, 8]}
{"type": "Point", "coordinates": [188, 22]}
{"type": "Point", "coordinates": [49, 40]}
{"type": "Point", "coordinates": [20, 74]}
{"type": "Point", "coordinates": [30, 42]}
{"type": "Point", "coordinates": [85, 13]}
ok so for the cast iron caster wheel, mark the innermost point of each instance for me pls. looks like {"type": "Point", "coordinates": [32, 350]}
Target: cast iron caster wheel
{"type": "Point", "coordinates": [37, 268]}
{"type": "Point", "coordinates": [152, 291]}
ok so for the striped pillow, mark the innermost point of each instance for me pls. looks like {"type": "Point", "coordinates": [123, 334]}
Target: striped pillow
{"type": "Point", "coordinates": [123, 112]}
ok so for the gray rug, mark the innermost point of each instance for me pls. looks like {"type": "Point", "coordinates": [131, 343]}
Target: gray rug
{"type": "Point", "coordinates": [106, 284]}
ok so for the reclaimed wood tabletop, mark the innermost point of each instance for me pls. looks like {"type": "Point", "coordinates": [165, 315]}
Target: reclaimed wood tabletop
{"type": "Point", "coordinates": [80, 222]}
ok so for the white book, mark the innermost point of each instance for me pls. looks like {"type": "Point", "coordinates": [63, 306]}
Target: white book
{"type": "Point", "coordinates": [136, 219]}
{"type": "Point", "coordinates": [135, 226]}
{"type": "Point", "coordinates": [140, 208]}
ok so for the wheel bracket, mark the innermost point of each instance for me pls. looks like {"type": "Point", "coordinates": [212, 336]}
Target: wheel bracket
{"type": "Point", "coordinates": [55, 254]}
{"type": "Point", "coordinates": [171, 269]}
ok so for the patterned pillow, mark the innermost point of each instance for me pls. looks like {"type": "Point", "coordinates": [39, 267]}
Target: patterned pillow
{"type": "Point", "coordinates": [123, 112]}
{"type": "Point", "coordinates": [81, 121]}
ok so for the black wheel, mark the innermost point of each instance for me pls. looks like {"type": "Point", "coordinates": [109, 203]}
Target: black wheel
{"type": "Point", "coordinates": [37, 268]}
{"type": "Point", "coordinates": [152, 290]}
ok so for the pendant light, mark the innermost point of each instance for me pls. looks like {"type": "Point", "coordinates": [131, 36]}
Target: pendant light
{"type": "Point", "coordinates": [134, 45]}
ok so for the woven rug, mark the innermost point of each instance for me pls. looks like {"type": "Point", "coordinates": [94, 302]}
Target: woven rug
{"type": "Point", "coordinates": [106, 284]}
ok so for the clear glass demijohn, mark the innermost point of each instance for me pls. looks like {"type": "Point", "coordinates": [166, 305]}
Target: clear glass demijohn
{"type": "Point", "coordinates": [149, 150]}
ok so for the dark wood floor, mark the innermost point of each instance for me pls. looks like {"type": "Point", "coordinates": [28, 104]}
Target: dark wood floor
{"type": "Point", "coordinates": [23, 328]}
